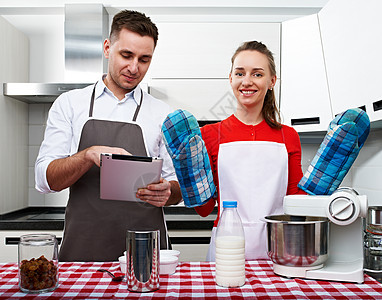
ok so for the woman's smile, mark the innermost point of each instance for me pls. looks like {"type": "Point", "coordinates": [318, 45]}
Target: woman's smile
{"type": "Point", "coordinates": [246, 92]}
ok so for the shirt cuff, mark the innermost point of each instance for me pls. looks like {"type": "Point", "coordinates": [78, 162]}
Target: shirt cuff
{"type": "Point", "coordinates": [41, 182]}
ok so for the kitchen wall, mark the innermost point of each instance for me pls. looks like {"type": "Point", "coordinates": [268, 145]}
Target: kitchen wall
{"type": "Point", "coordinates": [47, 65]}
{"type": "Point", "coordinates": [365, 175]}
{"type": "Point", "coordinates": [14, 62]}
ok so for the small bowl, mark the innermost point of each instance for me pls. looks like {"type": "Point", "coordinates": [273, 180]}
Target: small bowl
{"type": "Point", "coordinates": [122, 263]}
{"type": "Point", "coordinates": [168, 264]}
{"type": "Point", "coordinates": [169, 252]}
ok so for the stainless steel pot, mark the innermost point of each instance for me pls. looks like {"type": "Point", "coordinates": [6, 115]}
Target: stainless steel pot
{"type": "Point", "coordinates": [297, 241]}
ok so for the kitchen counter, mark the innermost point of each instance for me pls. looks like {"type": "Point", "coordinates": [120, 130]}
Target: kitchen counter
{"type": "Point", "coordinates": [52, 218]}
{"type": "Point", "coordinates": [192, 280]}
{"type": "Point", "coordinates": [188, 232]}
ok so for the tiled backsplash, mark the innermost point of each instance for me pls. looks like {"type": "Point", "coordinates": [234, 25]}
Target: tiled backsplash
{"type": "Point", "coordinates": [38, 114]}
{"type": "Point", "coordinates": [367, 169]}
{"type": "Point", "coordinates": [365, 175]}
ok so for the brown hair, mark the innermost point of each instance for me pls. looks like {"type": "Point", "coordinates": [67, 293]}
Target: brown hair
{"type": "Point", "coordinates": [270, 110]}
{"type": "Point", "coordinates": [134, 21]}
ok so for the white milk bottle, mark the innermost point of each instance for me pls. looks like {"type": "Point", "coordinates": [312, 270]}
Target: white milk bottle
{"type": "Point", "coordinates": [230, 248]}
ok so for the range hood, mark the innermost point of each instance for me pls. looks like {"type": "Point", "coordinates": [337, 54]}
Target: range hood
{"type": "Point", "coordinates": [86, 27]}
{"type": "Point", "coordinates": [38, 92]}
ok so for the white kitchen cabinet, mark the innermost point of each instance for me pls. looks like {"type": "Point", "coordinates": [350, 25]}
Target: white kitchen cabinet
{"type": "Point", "coordinates": [194, 251]}
{"type": "Point", "coordinates": [192, 62]}
{"type": "Point", "coordinates": [304, 97]}
{"type": "Point", "coordinates": [206, 99]}
{"type": "Point", "coordinates": [9, 246]}
{"type": "Point", "coordinates": [204, 50]}
{"type": "Point", "coordinates": [351, 36]}
{"type": "Point", "coordinates": [189, 252]}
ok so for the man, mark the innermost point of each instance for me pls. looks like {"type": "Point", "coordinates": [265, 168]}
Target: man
{"type": "Point", "coordinates": [108, 117]}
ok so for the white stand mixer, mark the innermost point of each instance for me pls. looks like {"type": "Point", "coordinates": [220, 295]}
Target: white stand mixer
{"type": "Point", "coordinates": [344, 208]}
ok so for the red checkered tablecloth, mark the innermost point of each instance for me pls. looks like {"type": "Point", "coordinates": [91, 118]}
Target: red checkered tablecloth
{"type": "Point", "coordinates": [191, 280]}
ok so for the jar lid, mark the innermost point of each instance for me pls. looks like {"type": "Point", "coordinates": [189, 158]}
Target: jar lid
{"type": "Point", "coordinates": [38, 239]}
{"type": "Point", "coordinates": [229, 204]}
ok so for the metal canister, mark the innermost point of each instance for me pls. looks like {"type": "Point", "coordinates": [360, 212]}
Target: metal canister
{"type": "Point", "coordinates": [38, 263]}
{"type": "Point", "coordinates": [373, 242]}
{"type": "Point", "coordinates": [142, 258]}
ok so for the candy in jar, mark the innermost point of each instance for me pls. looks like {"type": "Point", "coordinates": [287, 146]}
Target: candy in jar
{"type": "Point", "coordinates": [38, 263]}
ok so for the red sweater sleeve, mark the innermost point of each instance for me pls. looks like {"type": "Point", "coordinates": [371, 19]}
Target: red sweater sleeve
{"type": "Point", "coordinates": [293, 145]}
{"type": "Point", "coordinates": [209, 135]}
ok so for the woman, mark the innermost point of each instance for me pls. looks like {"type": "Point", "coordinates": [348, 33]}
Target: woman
{"type": "Point", "coordinates": [255, 159]}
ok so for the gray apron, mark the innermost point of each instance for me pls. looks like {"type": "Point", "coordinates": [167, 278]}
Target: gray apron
{"type": "Point", "coordinates": [95, 229]}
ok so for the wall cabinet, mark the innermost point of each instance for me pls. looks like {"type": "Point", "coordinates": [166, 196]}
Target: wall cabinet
{"type": "Point", "coordinates": [331, 62]}
{"type": "Point", "coordinates": [192, 62]}
{"type": "Point", "coordinates": [351, 39]}
{"type": "Point", "coordinates": [304, 100]}
{"type": "Point", "coordinates": [204, 50]}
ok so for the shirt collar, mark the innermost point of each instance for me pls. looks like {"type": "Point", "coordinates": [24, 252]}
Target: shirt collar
{"type": "Point", "coordinates": [102, 88]}
{"type": "Point", "coordinates": [237, 122]}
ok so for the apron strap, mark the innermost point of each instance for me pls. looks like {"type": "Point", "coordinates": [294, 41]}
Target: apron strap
{"type": "Point", "coordinates": [282, 133]}
{"type": "Point", "coordinates": [92, 101]}
{"type": "Point", "coordinates": [219, 128]}
{"type": "Point", "coordinates": [92, 104]}
{"type": "Point", "coordinates": [138, 108]}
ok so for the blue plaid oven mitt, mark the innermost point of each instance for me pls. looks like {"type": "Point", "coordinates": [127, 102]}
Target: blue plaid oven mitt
{"type": "Point", "coordinates": [184, 143]}
{"type": "Point", "coordinates": [346, 135]}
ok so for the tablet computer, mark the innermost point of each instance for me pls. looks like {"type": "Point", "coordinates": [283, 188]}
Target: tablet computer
{"type": "Point", "coordinates": [122, 175]}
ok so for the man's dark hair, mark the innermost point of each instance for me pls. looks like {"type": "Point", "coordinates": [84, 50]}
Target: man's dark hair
{"type": "Point", "coordinates": [134, 21]}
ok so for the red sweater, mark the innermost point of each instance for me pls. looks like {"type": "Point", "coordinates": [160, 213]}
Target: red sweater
{"type": "Point", "coordinates": [233, 130]}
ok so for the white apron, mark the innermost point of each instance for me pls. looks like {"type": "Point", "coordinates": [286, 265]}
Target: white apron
{"type": "Point", "coordinates": [255, 174]}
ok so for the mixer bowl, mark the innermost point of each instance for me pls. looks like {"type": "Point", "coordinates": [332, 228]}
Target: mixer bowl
{"type": "Point", "coordinates": [297, 241]}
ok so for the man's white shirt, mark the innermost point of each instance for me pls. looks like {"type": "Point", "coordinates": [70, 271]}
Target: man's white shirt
{"type": "Point", "coordinates": [70, 111]}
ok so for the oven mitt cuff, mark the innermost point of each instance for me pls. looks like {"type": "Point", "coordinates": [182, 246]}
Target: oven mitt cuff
{"type": "Point", "coordinates": [184, 143]}
{"type": "Point", "coordinates": [346, 135]}
{"type": "Point", "coordinates": [359, 118]}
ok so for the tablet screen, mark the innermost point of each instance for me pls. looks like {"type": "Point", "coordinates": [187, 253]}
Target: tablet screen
{"type": "Point", "coordinates": [122, 175]}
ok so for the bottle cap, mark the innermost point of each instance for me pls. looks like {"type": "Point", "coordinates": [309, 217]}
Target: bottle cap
{"type": "Point", "coordinates": [229, 204]}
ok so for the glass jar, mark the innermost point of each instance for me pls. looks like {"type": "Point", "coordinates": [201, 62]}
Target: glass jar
{"type": "Point", "coordinates": [38, 263]}
{"type": "Point", "coordinates": [373, 243]}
